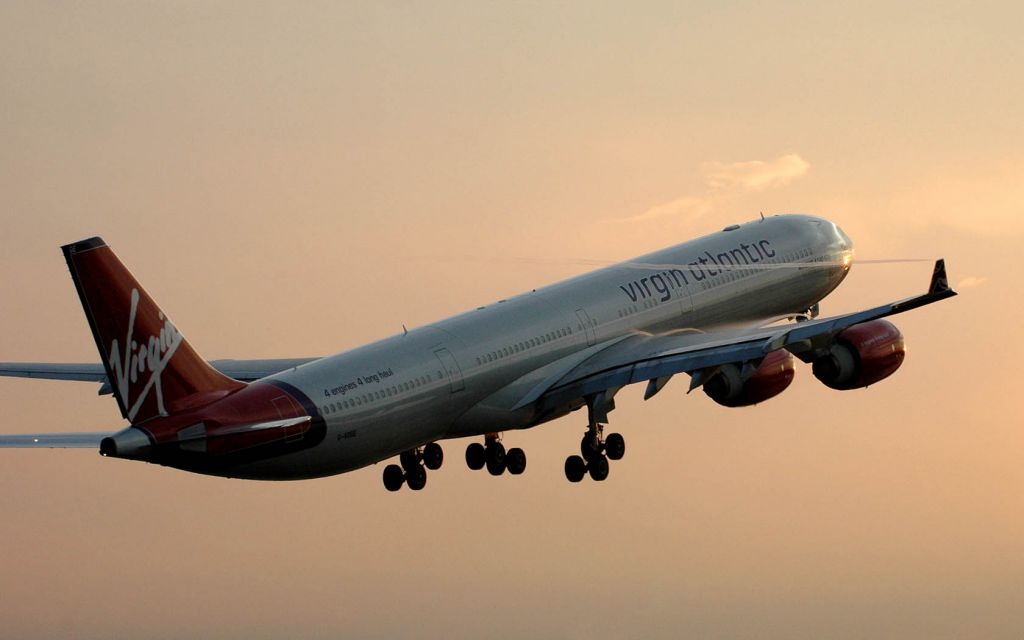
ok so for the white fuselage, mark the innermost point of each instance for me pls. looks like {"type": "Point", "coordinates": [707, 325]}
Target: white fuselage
{"type": "Point", "coordinates": [462, 376]}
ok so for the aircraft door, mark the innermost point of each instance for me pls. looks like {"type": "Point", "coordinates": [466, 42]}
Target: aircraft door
{"type": "Point", "coordinates": [588, 326]}
{"type": "Point", "coordinates": [451, 368]}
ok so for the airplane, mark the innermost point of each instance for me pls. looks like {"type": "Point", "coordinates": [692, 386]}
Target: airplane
{"type": "Point", "coordinates": [733, 310]}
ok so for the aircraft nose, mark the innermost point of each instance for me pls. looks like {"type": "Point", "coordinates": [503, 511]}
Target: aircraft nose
{"type": "Point", "coordinates": [844, 239]}
{"type": "Point", "coordinates": [845, 246]}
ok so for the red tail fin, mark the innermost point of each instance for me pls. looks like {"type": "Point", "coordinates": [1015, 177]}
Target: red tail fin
{"type": "Point", "coordinates": [151, 367]}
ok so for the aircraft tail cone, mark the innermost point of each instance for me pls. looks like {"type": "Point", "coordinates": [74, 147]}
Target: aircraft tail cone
{"type": "Point", "coordinates": [128, 443]}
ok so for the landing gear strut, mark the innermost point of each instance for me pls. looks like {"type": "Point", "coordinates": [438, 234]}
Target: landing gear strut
{"type": "Point", "coordinates": [595, 449]}
{"type": "Point", "coordinates": [492, 454]}
{"type": "Point", "coordinates": [413, 466]}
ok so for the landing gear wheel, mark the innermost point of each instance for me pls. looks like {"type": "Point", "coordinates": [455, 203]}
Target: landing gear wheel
{"type": "Point", "coordinates": [615, 446]}
{"type": "Point", "coordinates": [409, 459]}
{"type": "Point", "coordinates": [496, 465]}
{"type": "Point", "coordinates": [495, 458]}
{"type": "Point", "coordinates": [416, 478]}
{"type": "Point", "coordinates": [598, 469]}
{"type": "Point", "coordinates": [575, 468]}
{"type": "Point", "coordinates": [476, 456]}
{"type": "Point", "coordinates": [496, 453]}
{"type": "Point", "coordinates": [515, 461]}
{"type": "Point", "coordinates": [433, 456]}
{"type": "Point", "coordinates": [590, 446]}
{"type": "Point", "coordinates": [393, 477]}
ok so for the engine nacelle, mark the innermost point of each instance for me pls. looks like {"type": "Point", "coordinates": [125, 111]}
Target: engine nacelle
{"type": "Point", "coordinates": [771, 378]}
{"type": "Point", "coordinates": [862, 355]}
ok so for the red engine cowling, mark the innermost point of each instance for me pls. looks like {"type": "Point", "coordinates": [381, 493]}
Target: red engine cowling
{"type": "Point", "coordinates": [775, 373]}
{"type": "Point", "coordinates": [862, 355]}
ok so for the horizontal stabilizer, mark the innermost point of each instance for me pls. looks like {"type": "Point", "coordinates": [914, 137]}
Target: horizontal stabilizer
{"type": "Point", "coordinates": [54, 371]}
{"type": "Point", "coordinates": [243, 370]}
{"type": "Point", "coordinates": [54, 440]}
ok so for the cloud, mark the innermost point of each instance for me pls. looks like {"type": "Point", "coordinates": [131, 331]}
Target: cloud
{"type": "Point", "coordinates": [725, 181]}
{"type": "Point", "coordinates": [755, 175]}
{"type": "Point", "coordinates": [971, 282]}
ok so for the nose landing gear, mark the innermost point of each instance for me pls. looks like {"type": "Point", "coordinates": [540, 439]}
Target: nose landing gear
{"type": "Point", "coordinates": [413, 470]}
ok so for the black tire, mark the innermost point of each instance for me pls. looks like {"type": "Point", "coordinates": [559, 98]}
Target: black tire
{"type": "Point", "coordinates": [476, 456]}
{"type": "Point", "coordinates": [615, 446]}
{"type": "Point", "coordinates": [495, 458]}
{"type": "Point", "coordinates": [433, 456]}
{"type": "Point", "coordinates": [394, 478]}
{"type": "Point", "coordinates": [496, 465]}
{"type": "Point", "coordinates": [598, 468]}
{"type": "Point", "coordinates": [590, 448]}
{"type": "Point", "coordinates": [416, 478]}
{"type": "Point", "coordinates": [575, 468]}
{"type": "Point", "coordinates": [409, 459]}
{"type": "Point", "coordinates": [515, 461]}
{"type": "Point", "coordinates": [496, 454]}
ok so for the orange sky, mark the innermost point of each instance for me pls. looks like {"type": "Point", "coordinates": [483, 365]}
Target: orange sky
{"type": "Point", "coordinates": [292, 182]}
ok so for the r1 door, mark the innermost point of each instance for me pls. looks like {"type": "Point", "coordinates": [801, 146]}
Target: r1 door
{"type": "Point", "coordinates": [451, 368]}
{"type": "Point", "coordinates": [588, 326]}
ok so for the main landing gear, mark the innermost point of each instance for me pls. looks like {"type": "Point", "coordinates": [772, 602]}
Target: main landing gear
{"type": "Point", "coordinates": [413, 469]}
{"type": "Point", "coordinates": [492, 454]}
{"type": "Point", "coordinates": [596, 449]}
{"type": "Point", "coordinates": [596, 452]}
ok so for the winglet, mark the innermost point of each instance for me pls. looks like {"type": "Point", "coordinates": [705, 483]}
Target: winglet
{"type": "Point", "coordinates": [940, 283]}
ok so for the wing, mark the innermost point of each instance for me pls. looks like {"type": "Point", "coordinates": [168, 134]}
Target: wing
{"type": "Point", "coordinates": [54, 440]}
{"type": "Point", "coordinates": [244, 370]}
{"type": "Point", "coordinates": [656, 358]}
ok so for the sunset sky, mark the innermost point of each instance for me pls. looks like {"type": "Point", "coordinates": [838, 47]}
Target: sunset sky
{"type": "Point", "coordinates": [293, 180]}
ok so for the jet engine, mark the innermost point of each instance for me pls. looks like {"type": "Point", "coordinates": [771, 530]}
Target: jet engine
{"type": "Point", "coordinates": [861, 355]}
{"type": "Point", "coordinates": [775, 373]}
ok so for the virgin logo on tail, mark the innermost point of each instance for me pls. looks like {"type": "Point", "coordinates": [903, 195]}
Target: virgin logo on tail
{"type": "Point", "coordinates": [149, 355]}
